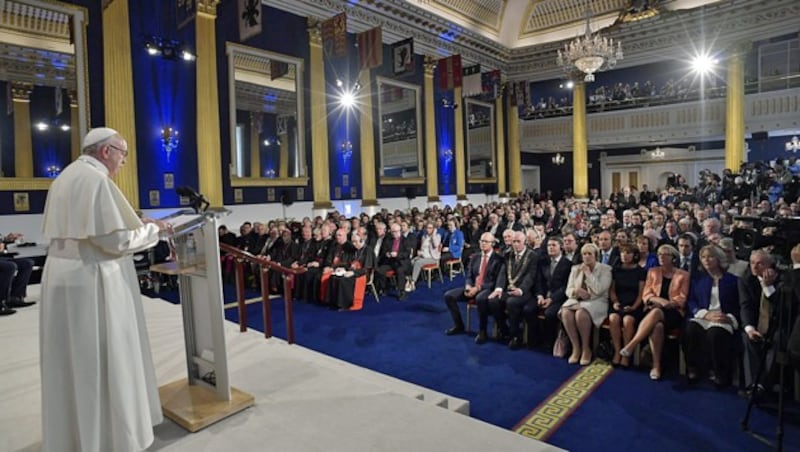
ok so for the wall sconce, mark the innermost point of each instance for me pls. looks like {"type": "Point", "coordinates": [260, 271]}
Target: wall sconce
{"type": "Point", "coordinates": [53, 170]}
{"type": "Point", "coordinates": [169, 49]}
{"type": "Point", "coordinates": [447, 155]}
{"type": "Point", "coordinates": [169, 140]}
{"type": "Point", "coordinates": [793, 145]}
{"type": "Point", "coordinates": [270, 173]}
{"type": "Point", "coordinates": [447, 104]}
{"type": "Point", "coordinates": [346, 149]}
{"type": "Point", "coordinates": [658, 153]}
{"type": "Point", "coordinates": [558, 159]}
{"type": "Point", "coordinates": [274, 141]}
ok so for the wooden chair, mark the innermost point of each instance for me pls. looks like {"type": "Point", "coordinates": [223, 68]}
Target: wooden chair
{"type": "Point", "coordinates": [454, 267]}
{"type": "Point", "coordinates": [371, 285]}
{"type": "Point", "coordinates": [429, 269]}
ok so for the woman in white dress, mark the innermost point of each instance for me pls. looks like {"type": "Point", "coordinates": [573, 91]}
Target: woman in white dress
{"type": "Point", "coordinates": [587, 303]}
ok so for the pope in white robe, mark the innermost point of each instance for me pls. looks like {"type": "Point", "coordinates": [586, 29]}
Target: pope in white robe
{"type": "Point", "coordinates": [99, 391]}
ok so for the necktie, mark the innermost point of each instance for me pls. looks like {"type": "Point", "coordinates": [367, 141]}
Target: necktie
{"type": "Point", "coordinates": [763, 314]}
{"type": "Point", "coordinates": [685, 264]}
{"type": "Point", "coordinates": [553, 264]}
{"type": "Point", "coordinates": [396, 245]}
{"type": "Point", "coordinates": [482, 271]}
{"type": "Point", "coordinates": [605, 258]}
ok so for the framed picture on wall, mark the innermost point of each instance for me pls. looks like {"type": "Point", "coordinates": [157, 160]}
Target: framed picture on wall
{"type": "Point", "coordinates": [155, 198]}
{"type": "Point", "coordinates": [238, 196]}
{"type": "Point", "coordinates": [270, 194]}
{"type": "Point", "coordinates": [21, 202]}
{"type": "Point", "coordinates": [301, 193]}
{"type": "Point", "coordinates": [169, 181]}
{"type": "Point", "coordinates": [403, 56]}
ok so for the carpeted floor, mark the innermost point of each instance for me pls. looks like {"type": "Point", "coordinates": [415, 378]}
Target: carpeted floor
{"type": "Point", "coordinates": [626, 411]}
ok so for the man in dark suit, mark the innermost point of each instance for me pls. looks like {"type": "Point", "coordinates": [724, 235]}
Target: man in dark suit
{"type": "Point", "coordinates": [608, 254]}
{"type": "Point", "coordinates": [792, 281]}
{"type": "Point", "coordinates": [759, 293]}
{"type": "Point", "coordinates": [670, 234]}
{"type": "Point", "coordinates": [572, 248]}
{"type": "Point", "coordinates": [551, 294]}
{"type": "Point", "coordinates": [14, 277]}
{"type": "Point", "coordinates": [395, 255]}
{"type": "Point", "coordinates": [515, 288]}
{"type": "Point", "coordinates": [482, 272]}
{"type": "Point", "coordinates": [689, 259]}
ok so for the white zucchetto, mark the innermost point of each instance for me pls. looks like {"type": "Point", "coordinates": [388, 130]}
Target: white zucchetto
{"type": "Point", "coordinates": [97, 135]}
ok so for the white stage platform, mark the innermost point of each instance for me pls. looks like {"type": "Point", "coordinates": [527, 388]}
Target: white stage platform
{"type": "Point", "coordinates": [304, 400]}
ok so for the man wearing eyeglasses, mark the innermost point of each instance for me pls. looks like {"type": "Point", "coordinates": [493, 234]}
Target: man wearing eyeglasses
{"type": "Point", "coordinates": [98, 383]}
{"type": "Point", "coordinates": [482, 272]}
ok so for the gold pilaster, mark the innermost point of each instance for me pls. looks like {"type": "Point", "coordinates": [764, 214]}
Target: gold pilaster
{"type": "Point", "coordinates": [118, 90]}
{"type": "Point", "coordinates": [734, 112]}
{"type": "Point", "coordinates": [319, 121]}
{"type": "Point", "coordinates": [283, 157]}
{"type": "Point", "coordinates": [74, 120]}
{"type": "Point", "coordinates": [369, 190]}
{"type": "Point", "coordinates": [514, 155]}
{"type": "Point", "coordinates": [458, 122]}
{"type": "Point", "coordinates": [23, 141]}
{"type": "Point", "coordinates": [500, 151]}
{"type": "Point", "coordinates": [255, 146]}
{"type": "Point", "coordinates": [580, 160]}
{"type": "Point", "coordinates": [431, 152]}
{"type": "Point", "coordinates": [209, 158]}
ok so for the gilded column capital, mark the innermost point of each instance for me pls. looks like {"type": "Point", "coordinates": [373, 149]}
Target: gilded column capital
{"type": "Point", "coordinates": [739, 48]}
{"type": "Point", "coordinates": [21, 91]}
{"type": "Point", "coordinates": [208, 7]}
{"type": "Point", "coordinates": [430, 65]}
{"type": "Point", "coordinates": [314, 31]}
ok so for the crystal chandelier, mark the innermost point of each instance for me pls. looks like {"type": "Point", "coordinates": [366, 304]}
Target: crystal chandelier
{"type": "Point", "coordinates": [558, 159]}
{"type": "Point", "coordinates": [589, 54]}
{"type": "Point", "coordinates": [793, 145]}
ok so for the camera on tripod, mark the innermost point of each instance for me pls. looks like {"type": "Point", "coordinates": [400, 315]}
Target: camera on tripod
{"type": "Point", "coordinates": [781, 234]}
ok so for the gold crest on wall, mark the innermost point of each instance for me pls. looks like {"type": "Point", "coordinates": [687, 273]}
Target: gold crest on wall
{"type": "Point", "coordinates": [21, 202]}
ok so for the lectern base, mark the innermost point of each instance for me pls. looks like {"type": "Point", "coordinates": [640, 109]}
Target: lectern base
{"type": "Point", "coordinates": [195, 408]}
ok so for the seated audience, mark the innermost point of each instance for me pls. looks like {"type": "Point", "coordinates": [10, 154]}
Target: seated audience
{"type": "Point", "coordinates": [665, 293]}
{"type": "Point", "coordinates": [714, 308]}
{"type": "Point", "coordinates": [515, 288]}
{"type": "Point", "coordinates": [430, 251]}
{"type": "Point", "coordinates": [347, 286]}
{"type": "Point", "coordinates": [625, 297]}
{"type": "Point", "coordinates": [587, 303]}
{"type": "Point", "coordinates": [551, 293]}
{"type": "Point", "coordinates": [15, 273]}
{"type": "Point", "coordinates": [395, 256]}
{"type": "Point", "coordinates": [482, 272]}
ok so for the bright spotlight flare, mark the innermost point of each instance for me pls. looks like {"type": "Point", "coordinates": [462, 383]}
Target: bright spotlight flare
{"type": "Point", "coordinates": [704, 63]}
{"type": "Point", "coordinates": [347, 97]}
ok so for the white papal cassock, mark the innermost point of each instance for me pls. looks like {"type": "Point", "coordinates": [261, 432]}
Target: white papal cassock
{"type": "Point", "coordinates": [99, 391]}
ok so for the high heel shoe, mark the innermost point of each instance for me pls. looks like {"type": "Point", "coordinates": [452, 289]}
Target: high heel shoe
{"type": "Point", "coordinates": [586, 361]}
{"type": "Point", "coordinates": [655, 374]}
{"type": "Point", "coordinates": [624, 352]}
{"type": "Point", "coordinates": [573, 359]}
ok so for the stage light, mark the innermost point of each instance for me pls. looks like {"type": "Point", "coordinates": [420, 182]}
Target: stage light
{"type": "Point", "coordinates": [65, 127]}
{"type": "Point", "coordinates": [42, 126]}
{"type": "Point", "coordinates": [347, 100]}
{"type": "Point", "coordinates": [704, 63]}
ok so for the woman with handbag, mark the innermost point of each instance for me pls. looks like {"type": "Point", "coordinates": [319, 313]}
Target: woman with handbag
{"type": "Point", "coordinates": [665, 293]}
{"type": "Point", "coordinates": [587, 303]}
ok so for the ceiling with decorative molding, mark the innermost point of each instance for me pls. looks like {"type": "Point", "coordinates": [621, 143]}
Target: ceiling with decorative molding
{"type": "Point", "coordinates": [522, 37]}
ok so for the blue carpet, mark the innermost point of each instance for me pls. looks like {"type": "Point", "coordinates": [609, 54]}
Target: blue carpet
{"type": "Point", "coordinates": [627, 411]}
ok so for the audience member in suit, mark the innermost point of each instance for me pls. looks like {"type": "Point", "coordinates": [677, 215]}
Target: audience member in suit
{"type": "Point", "coordinates": [472, 237]}
{"type": "Point", "coordinates": [481, 278]}
{"type": "Point", "coordinates": [551, 287]}
{"type": "Point", "coordinates": [738, 267]}
{"type": "Point", "coordinates": [689, 260]}
{"type": "Point", "coordinates": [587, 303]}
{"type": "Point", "coordinates": [792, 281]}
{"type": "Point", "coordinates": [625, 298]}
{"type": "Point", "coordinates": [14, 277]}
{"type": "Point", "coordinates": [571, 248]}
{"type": "Point", "coordinates": [515, 288]}
{"type": "Point", "coordinates": [395, 255]}
{"type": "Point", "coordinates": [493, 225]}
{"type": "Point", "coordinates": [714, 309]}
{"type": "Point", "coordinates": [759, 293]}
{"type": "Point", "coordinates": [283, 252]}
{"type": "Point", "coordinates": [375, 243]}
{"type": "Point", "coordinates": [670, 234]}
{"type": "Point", "coordinates": [512, 223]}
{"type": "Point", "coordinates": [347, 287]}
{"type": "Point", "coordinates": [608, 255]}
{"type": "Point", "coordinates": [665, 292]}
{"type": "Point", "coordinates": [506, 246]}
{"type": "Point", "coordinates": [247, 238]}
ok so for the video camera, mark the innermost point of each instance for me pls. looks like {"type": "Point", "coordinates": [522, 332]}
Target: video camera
{"type": "Point", "coordinates": [785, 233]}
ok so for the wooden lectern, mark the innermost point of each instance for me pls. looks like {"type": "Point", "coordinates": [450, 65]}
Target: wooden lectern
{"type": "Point", "coordinates": [205, 396]}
